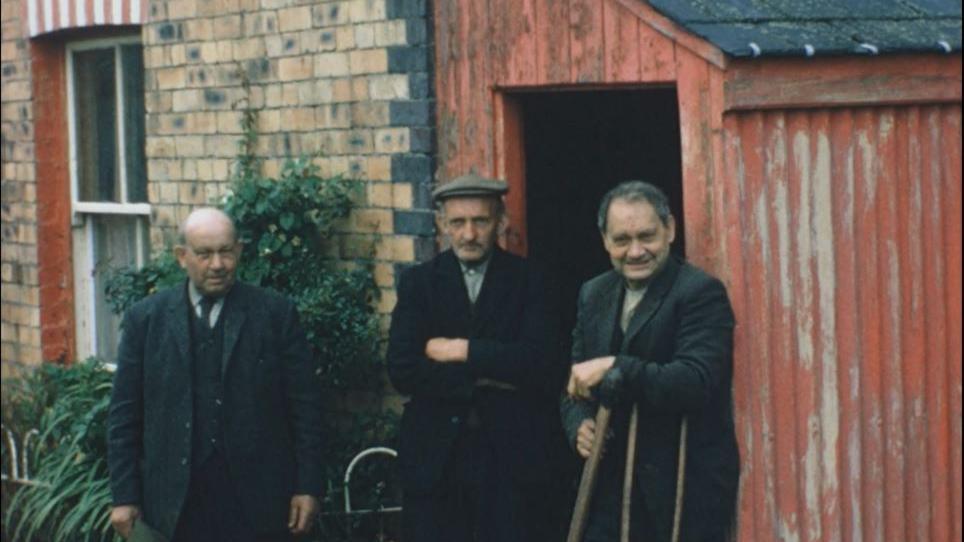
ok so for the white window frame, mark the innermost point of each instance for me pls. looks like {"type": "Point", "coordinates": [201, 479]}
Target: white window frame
{"type": "Point", "coordinates": [86, 306]}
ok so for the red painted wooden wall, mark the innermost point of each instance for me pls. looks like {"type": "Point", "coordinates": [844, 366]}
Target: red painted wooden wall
{"type": "Point", "coordinates": [826, 193]}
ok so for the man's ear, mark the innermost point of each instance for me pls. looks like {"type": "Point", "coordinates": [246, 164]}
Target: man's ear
{"type": "Point", "coordinates": [671, 225]}
{"type": "Point", "coordinates": [503, 225]}
{"type": "Point", "coordinates": [180, 253]}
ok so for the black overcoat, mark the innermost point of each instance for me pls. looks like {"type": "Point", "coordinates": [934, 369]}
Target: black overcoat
{"type": "Point", "coordinates": [677, 354]}
{"type": "Point", "coordinates": [513, 338]}
{"type": "Point", "coordinates": [272, 407]}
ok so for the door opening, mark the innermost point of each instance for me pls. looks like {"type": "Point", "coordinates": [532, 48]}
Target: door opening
{"type": "Point", "coordinates": [578, 145]}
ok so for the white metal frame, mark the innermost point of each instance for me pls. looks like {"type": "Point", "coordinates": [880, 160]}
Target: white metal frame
{"type": "Point", "coordinates": [81, 211]}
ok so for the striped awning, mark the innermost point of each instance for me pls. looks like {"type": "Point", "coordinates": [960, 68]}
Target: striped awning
{"type": "Point", "coordinates": [43, 16]}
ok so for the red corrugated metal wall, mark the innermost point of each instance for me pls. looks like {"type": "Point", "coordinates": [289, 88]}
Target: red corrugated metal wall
{"type": "Point", "coordinates": [843, 243]}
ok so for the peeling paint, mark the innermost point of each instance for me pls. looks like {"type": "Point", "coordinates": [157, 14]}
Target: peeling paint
{"type": "Point", "coordinates": [862, 472]}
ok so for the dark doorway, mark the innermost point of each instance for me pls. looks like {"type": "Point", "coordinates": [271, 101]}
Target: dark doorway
{"type": "Point", "coordinates": [578, 145]}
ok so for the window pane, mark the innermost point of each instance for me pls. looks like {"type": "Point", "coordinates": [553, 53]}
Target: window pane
{"type": "Point", "coordinates": [95, 120]}
{"type": "Point", "coordinates": [132, 65]}
{"type": "Point", "coordinates": [115, 245]}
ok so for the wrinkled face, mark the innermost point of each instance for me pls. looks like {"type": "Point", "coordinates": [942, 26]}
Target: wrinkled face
{"type": "Point", "coordinates": [472, 226]}
{"type": "Point", "coordinates": [637, 240]}
{"type": "Point", "coordinates": [210, 256]}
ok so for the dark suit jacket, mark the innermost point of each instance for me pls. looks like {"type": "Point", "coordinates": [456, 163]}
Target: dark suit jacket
{"type": "Point", "coordinates": [272, 407]}
{"type": "Point", "coordinates": [677, 355]}
{"type": "Point", "coordinates": [512, 338]}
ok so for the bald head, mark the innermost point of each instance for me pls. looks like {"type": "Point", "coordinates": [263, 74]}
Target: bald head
{"type": "Point", "coordinates": [208, 250]}
{"type": "Point", "coordinates": [205, 218]}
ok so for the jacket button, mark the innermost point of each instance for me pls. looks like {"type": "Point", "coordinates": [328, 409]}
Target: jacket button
{"type": "Point", "coordinates": [455, 419]}
{"type": "Point", "coordinates": [184, 461]}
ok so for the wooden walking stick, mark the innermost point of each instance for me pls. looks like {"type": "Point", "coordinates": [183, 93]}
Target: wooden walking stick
{"type": "Point", "coordinates": [588, 481]}
{"type": "Point", "coordinates": [628, 475]}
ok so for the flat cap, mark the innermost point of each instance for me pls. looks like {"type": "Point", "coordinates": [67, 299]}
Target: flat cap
{"type": "Point", "coordinates": [469, 185]}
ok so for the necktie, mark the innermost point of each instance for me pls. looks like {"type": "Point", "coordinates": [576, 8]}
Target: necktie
{"type": "Point", "coordinates": [207, 303]}
{"type": "Point", "coordinates": [473, 283]}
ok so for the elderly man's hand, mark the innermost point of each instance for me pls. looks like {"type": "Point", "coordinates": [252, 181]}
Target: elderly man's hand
{"type": "Point", "coordinates": [446, 350]}
{"type": "Point", "coordinates": [301, 514]}
{"type": "Point", "coordinates": [585, 437]}
{"type": "Point", "coordinates": [122, 518]}
{"type": "Point", "coordinates": [585, 375]}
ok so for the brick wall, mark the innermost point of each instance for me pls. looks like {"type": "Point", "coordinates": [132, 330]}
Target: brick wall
{"type": "Point", "coordinates": [348, 80]}
{"type": "Point", "coordinates": [20, 319]}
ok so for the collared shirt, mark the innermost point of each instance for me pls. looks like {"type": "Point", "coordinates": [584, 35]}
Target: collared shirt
{"type": "Point", "coordinates": [196, 298]}
{"type": "Point", "coordinates": [630, 301]}
{"type": "Point", "coordinates": [474, 275]}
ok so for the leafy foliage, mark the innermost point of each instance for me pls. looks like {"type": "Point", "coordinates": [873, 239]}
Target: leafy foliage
{"type": "Point", "coordinates": [126, 285]}
{"type": "Point", "coordinates": [70, 501]}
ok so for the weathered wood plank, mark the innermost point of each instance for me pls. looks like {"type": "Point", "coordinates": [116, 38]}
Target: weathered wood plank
{"type": "Point", "coordinates": [913, 354]}
{"type": "Point", "coordinates": [657, 55]}
{"type": "Point", "coordinates": [868, 311]}
{"type": "Point", "coordinates": [447, 88]}
{"type": "Point", "coordinates": [695, 130]}
{"type": "Point", "coordinates": [586, 41]}
{"type": "Point", "coordinates": [510, 165]}
{"type": "Point", "coordinates": [621, 42]}
{"type": "Point", "coordinates": [552, 46]}
{"type": "Point", "coordinates": [785, 83]}
{"type": "Point", "coordinates": [848, 445]}
{"type": "Point", "coordinates": [680, 36]}
{"type": "Point", "coordinates": [520, 19]}
{"type": "Point", "coordinates": [475, 133]}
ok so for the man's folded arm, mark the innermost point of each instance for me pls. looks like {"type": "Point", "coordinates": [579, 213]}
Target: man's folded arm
{"type": "Point", "coordinates": [409, 370]}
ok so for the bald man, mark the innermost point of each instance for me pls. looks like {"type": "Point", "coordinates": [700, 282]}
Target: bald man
{"type": "Point", "coordinates": [213, 432]}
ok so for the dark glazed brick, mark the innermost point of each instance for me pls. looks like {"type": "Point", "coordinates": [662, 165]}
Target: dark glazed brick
{"type": "Point", "coordinates": [416, 32]}
{"type": "Point", "coordinates": [169, 32]}
{"type": "Point", "coordinates": [422, 196]}
{"type": "Point", "coordinates": [414, 222]}
{"type": "Point", "coordinates": [411, 168]}
{"type": "Point", "coordinates": [421, 139]}
{"type": "Point", "coordinates": [407, 59]}
{"type": "Point", "coordinates": [400, 9]}
{"type": "Point", "coordinates": [258, 69]}
{"type": "Point", "coordinates": [409, 113]}
{"type": "Point", "coordinates": [194, 53]}
{"type": "Point", "coordinates": [214, 97]}
{"type": "Point", "coordinates": [419, 86]}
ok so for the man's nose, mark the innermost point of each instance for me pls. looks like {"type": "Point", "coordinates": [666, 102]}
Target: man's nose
{"type": "Point", "coordinates": [216, 261]}
{"type": "Point", "coordinates": [470, 231]}
{"type": "Point", "coordinates": [636, 249]}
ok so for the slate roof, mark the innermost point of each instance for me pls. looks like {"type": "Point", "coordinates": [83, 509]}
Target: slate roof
{"type": "Point", "coordinates": [748, 28]}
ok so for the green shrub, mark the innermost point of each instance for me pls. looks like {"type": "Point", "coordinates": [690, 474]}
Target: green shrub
{"type": "Point", "coordinates": [68, 406]}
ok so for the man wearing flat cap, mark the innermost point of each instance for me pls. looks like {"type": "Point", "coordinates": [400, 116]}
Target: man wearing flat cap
{"type": "Point", "coordinates": [475, 347]}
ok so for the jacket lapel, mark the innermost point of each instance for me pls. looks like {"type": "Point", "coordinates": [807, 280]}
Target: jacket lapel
{"type": "Point", "coordinates": [179, 320]}
{"type": "Point", "coordinates": [235, 313]}
{"type": "Point", "coordinates": [452, 292]}
{"type": "Point", "coordinates": [605, 307]}
{"type": "Point", "coordinates": [494, 288]}
{"type": "Point", "coordinates": [655, 294]}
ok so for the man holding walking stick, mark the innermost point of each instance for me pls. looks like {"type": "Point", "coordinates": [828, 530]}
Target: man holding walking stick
{"type": "Point", "coordinates": [659, 332]}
